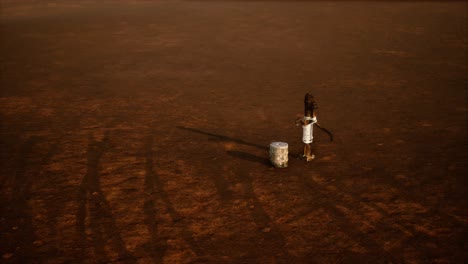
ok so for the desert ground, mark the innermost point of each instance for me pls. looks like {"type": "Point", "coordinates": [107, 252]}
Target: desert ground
{"type": "Point", "coordinates": [138, 132]}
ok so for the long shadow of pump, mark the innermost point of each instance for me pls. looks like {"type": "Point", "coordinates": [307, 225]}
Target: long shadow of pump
{"type": "Point", "coordinates": [224, 138]}
{"type": "Point", "coordinates": [237, 154]}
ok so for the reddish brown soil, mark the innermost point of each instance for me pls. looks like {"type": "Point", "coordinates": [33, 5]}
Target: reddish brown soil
{"type": "Point", "coordinates": [138, 132]}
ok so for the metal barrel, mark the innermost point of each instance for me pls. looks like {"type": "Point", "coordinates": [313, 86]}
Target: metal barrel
{"type": "Point", "coordinates": [279, 154]}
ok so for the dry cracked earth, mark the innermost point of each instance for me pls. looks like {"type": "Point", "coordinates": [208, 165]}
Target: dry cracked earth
{"type": "Point", "coordinates": [138, 131]}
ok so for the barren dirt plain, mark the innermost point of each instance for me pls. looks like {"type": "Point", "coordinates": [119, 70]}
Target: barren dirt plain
{"type": "Point", "coordinates": [138, 132]}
